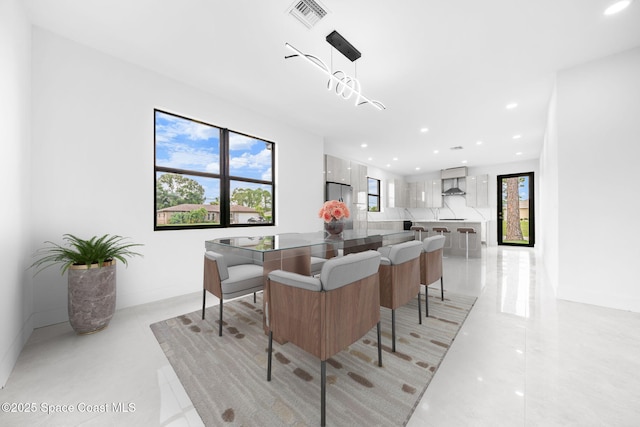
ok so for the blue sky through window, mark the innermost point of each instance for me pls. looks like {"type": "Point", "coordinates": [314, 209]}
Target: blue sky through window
{"type": "Point", "coordinates": [186, 144]}
{"type": "Point", "coordinates": [189, 145]}
{"type": "Point", "coordinates": [249, 157]}
{"type": "Point", "coordinates": [193, 146]}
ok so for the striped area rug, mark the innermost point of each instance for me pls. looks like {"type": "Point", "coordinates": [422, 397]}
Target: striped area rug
{"type": "Point", "coordinates": [226, 377]}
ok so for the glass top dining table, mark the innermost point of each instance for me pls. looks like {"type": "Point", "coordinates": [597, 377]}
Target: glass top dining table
{"type": "Point", "coordinates": [348, 241]}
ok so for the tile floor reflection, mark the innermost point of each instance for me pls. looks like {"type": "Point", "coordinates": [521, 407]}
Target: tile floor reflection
{"type": "Point", "coordinates": [522, 358]}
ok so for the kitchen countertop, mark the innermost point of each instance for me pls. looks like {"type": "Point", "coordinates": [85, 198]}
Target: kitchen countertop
{"type": "Point", "coordinates": [449, 220]}
{"type": "Point", "coordinates": [429, 220]}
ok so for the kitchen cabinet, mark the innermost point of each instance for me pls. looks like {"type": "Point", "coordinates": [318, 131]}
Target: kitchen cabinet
{"type": "Point", "coordinates": [411, 199]}
{"type": "Point", "coordinates": [433, 190]}
{"type": "Point", "coordinates": [477, 191]}
{"type": "Point", "coordinates": [396, 193]}
{"type": "Point", "coordinates": [421, 195]}
{"type": "Point", "coordinates": [424, 194]}
{"type": "Point", "coordinates": [358, 179]}
{"type": "Point", "coordinates": [337, 170]}
{"type": "Point", "coordinates": [359, 199]}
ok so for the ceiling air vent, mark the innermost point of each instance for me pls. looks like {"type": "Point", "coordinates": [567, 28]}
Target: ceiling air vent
{"type": "Point", "coordinates": [308, 12]}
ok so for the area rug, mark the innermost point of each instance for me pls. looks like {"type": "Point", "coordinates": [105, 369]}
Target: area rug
{"type": "Point", "coordinates": [226, 377]}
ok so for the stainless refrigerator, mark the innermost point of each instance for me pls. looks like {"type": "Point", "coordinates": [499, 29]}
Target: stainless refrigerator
{"type": "Point", "coordinates": [343, 193]}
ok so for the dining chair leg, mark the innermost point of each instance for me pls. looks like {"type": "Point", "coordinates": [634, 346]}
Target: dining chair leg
{"type": "Point", "coordinates": [220, 327]}
{"type": "Point", "coordinates": [323, 391]}
{"type": "Point", "coordinates": [419, 309]}
{"type": "Point", "coordinates": [393, 330]}
{"type": "Point", "coordinates": [254, 297]}
{"type": "Point", "coordinates": [379, 346]}
{"type": "Point", "coordinates": [426, 301]}
{"type": "Point", "coordinates": [442, 288]}
{"type": "Point", "coordinates": [204, 299]}
{"type": "Point", "coordinates": [269, 357]}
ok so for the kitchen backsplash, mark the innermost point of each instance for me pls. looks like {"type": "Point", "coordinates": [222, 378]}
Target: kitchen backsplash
{"type": "Point", "coordinates": [454, 207]}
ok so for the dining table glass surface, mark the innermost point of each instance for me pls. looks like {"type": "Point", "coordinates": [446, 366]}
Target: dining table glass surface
{"type": "Point", "coordinates": [284, 241]}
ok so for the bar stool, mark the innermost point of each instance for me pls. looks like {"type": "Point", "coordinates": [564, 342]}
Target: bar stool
{"type": "Point", "coordinates": [441, 230]}
{"type": "Point", "coordinates": [419, 229]}
{"type": "Point", "coordinates": [467, 231]}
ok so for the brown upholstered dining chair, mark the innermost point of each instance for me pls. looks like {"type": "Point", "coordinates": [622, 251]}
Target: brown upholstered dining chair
{"type": "Point", "coordinates": [400, 279]}
{"type": "Point", "coordinates": [431, 266]}
{"type": "Point", "coordinates": [324, 315]}
{"type": "Point", "coordinates": [230, 276]}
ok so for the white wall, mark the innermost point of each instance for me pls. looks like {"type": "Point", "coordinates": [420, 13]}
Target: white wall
{"type": "Point", "coordinates": [598, 144]}
{"type": "Point", "coordinates": [15, 88]}
{"type": "Point", "coordinates": [548, 231]}
{"type": "Point", "coordinates": [93, 157]}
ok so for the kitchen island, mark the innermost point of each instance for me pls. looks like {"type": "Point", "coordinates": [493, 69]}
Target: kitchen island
{"type": "Point", "coordinates": [455, 243]}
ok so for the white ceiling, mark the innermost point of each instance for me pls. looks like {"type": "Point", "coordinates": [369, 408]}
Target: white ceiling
{"type": "Point", "coordinates": [450, 66]}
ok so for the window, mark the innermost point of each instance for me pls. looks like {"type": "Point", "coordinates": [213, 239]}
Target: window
{"type": "Point", "coordinates": [207, 176]}
{"type": "Point", "coordinates": [373, 195]}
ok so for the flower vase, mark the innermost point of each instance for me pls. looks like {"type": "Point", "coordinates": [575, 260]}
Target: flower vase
{"type": "Point", "coordinates": [334, 227]}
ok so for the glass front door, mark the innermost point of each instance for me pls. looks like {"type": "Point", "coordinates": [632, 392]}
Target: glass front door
{"type": "Point", "coordinates": [515, 210]}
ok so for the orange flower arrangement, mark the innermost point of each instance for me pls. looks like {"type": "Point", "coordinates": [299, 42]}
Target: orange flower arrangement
{"type": "Point", "coordinates": [333, 210]}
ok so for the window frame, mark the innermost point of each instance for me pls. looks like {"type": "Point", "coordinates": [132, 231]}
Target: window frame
{"type": "Point", "coordinates": [376, 196]}
{"type": "Point", "coordinates": [223, 176]}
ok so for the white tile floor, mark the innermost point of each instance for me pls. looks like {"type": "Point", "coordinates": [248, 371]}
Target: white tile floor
{"type": "Point", "coordinates": [522, 358]}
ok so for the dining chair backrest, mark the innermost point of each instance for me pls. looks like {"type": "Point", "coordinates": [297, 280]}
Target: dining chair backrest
{"type": "Point", "coordinates": [433, 243]}
{"type": "Point", "coordinates": [340, 271]}
{"type": "Point", "coordinates": [402, 252]}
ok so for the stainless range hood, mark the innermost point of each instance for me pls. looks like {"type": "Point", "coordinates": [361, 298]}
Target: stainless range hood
{"type": "Point", "coordinates": [453, 173]}
{"type": "Point", "coordinates": [453, 191]}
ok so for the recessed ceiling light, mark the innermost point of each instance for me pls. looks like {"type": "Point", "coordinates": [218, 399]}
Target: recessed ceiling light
{"type": "Point", "coordinates": [395, 159]}
{"type": "Point", "coordinates": [423, 130]}
{"type": "Point", "coordinates": [617, 7]}
{"type": "Point", "coordinates": [363, 145]}
{"type": "Point", "coordinates": [388, 165]}
{"type": "Point", "coordinates": [479, 143]}
{"type": "Point", "coordinates": [418, 168]}
{"type": "Point", "coordinates": [512, 105]}
{"type": "Point", "coordinates": [464, 161]}
{"type": "Point", "coordinates": [435, 151]}
{"type": "Point", "coordinates": [519, 153]}
{"type": "Point", "coordinates": [370, 158]}
{"type": "Point", "coordinates": [517, 136]}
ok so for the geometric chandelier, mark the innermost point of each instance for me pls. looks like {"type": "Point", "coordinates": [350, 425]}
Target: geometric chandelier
{"type": "Point", "coordinates": [344, 85]}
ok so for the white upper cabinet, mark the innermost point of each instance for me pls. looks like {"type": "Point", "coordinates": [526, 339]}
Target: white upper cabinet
{"type": "Point", "coordinates": [400, 194]}
{"type": "Point", "coordinates": [424, 194]}
{"type": "Point", "coordinates": [411, 199]}
{"type": "Point", "coordinates": [421, 195]}
{"type": "Point", "coordinates": [337, 170]}
{"type": "Point", "coordinates": [433, 190]}
{"type": "Point", "coordinates": [359, 183]}
{"type": "Point", "coordinates": [477, 191]}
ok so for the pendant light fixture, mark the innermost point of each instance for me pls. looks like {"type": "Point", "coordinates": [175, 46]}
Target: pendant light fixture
{"type": "Point", "coordinates": [345, 86]}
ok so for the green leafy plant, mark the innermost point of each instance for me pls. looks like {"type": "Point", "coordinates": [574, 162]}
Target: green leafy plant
{"type": "Point", "coordinates": [96, 250]}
